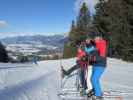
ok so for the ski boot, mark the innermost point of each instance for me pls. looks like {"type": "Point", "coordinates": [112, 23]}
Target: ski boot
{"type": "Point", "coordinates": [97, 97]}
{"type": "Point", "coordinates": [63, 72]}
{"type": "Point", "coordinates": [83, 92]}
{"type": "Point", "coordinates": [90, 93]}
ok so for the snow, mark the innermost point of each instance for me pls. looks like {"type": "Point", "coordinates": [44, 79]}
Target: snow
{"type": "Point", "coordinates": [42, 81]}
{"type": "Point", "coordinates": [29, 48]}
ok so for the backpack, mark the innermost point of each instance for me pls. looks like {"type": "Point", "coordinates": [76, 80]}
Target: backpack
{"type": "Point", "coordinates": [101, 46]}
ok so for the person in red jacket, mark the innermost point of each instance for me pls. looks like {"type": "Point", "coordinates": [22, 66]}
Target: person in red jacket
{"type": "Point", "coordinates": [81, 64]}
{"type": "Point", "coordinates": [82, 61]}
{"type": "Point", "coordinates": [99, 67]}
{"type": "Point", "coordinates": [80, 53]}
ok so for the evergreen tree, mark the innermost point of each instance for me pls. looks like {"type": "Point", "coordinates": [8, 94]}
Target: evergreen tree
{"type": "Point", "coordinates": [116, 17]}
{"type": "Point", "coordinates": [101, 19]}
{"type": "Point", "coordinates": [69, 51]}
{"type": "Point", "coordinates": [83, 22]}
{"type": "Point", "coordinates": [80, 29]}
{"type": "Point", "coordinates": [78, 32]}
{"type": "Point", "coordinates": [73, 33]}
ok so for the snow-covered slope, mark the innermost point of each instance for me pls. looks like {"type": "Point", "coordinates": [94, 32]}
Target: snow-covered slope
{"type": "Point", "coordinates": [42, 82]}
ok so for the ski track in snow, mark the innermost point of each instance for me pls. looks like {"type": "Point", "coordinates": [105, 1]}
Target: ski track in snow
{"type": "Point", "coordinates": [29, 83]}
{"type": "Point", "coordinates": [42, 82]}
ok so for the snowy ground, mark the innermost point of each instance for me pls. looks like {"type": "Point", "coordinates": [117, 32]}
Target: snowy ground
{"type": "Point", "coordinates": [42, 82]}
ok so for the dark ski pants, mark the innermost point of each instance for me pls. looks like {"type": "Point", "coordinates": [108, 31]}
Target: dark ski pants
{"type": "Point", "coordinates": [81, 74]}
{"type": "Point", "coordinates": [97, 72]}
{"type": "Point", "coordinates": [82, 79]}
{"type": "Point", "coordinates": [75, 67]}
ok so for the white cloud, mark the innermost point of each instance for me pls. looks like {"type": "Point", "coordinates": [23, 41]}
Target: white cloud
{"type": "Point", "coordinates": [3, 24]}
{"type": "Point", "coordinates": [90, 3]}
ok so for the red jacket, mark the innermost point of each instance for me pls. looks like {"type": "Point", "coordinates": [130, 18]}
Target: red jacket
{"type": "Point", "coordinates": [81, 53]}
{"type": "Point", "coordinates": [101, 45]}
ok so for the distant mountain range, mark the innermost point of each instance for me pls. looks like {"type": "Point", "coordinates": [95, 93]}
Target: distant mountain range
{"type": "Point", "coordinates": [34, 44]}
{"type": "Point", "coordinates": [55, 40]}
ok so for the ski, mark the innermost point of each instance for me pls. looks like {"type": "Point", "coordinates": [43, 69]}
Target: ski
{"type": "Point", "coordinates": [72, 94]}
{"type": "Point", "coordinates": [72, 97]}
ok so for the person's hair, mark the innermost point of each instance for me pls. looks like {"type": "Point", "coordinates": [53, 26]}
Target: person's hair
{"type": "Point", "coordinates": [78, 42]}
{"type": "Point", "coordinates": [92, 42]}
{"type": "Point", "coordinates": [98, 37]}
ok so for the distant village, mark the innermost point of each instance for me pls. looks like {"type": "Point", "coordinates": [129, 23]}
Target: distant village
{"type": "Point", "coordinates": [27, 52]}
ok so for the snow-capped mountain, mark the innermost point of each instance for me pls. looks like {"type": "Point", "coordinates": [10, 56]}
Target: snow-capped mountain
{"type": "Point", "coordinates": [40, 45]}
{"type": "Point", "coordinates": [34, 43]}
{"type": "Point", "coordinates": [36, 39]}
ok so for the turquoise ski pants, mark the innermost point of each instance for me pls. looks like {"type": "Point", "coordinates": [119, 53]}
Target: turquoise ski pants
{"type": "Point", "coordinates": [97, 72]}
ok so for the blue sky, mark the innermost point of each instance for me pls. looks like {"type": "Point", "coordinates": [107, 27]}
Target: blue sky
{"type": "Point", "coordinates": [46, 17]}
